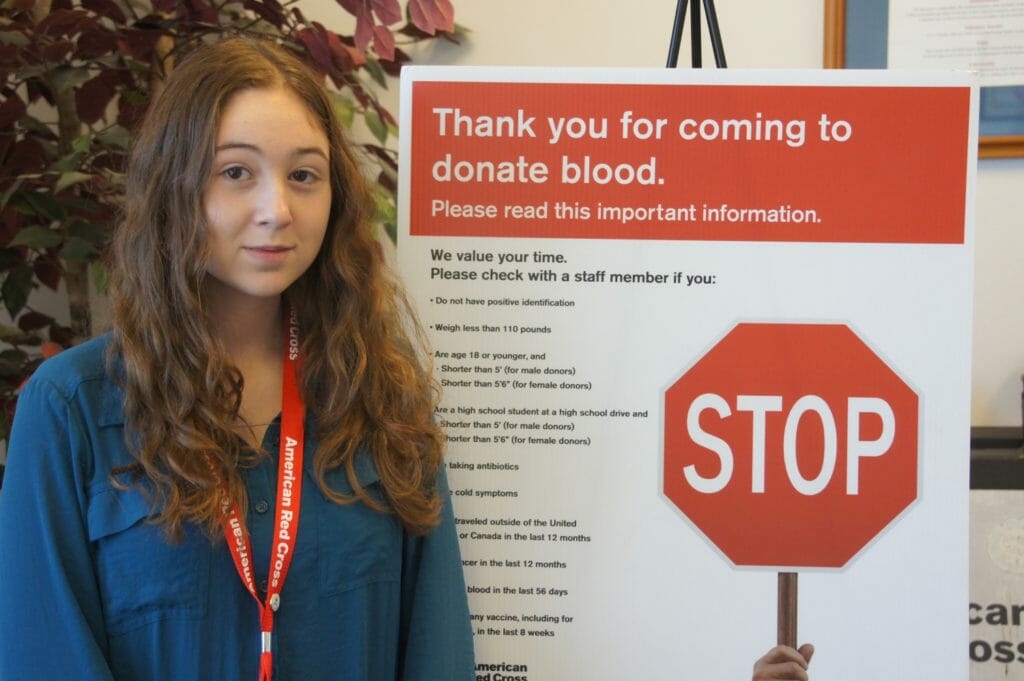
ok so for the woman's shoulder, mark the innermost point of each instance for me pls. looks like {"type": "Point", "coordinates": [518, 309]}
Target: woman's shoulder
{"type": "Point", "coordinates": [78, 375]}
{"type": "Point", "coordinates": [68, 369]}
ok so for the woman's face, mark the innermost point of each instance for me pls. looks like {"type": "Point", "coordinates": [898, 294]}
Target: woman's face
{"type": "Point", "coordinates": [269, 194]}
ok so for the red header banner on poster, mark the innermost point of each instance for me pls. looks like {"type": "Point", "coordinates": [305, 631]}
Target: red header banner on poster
{"type": "Point", "coordinates": [689, 162]}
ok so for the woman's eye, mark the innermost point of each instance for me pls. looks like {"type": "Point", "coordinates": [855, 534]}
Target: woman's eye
{"type": "Point", "coordinates": [303, 176]}
{"type": "Point", "coordinates": [235, 173]}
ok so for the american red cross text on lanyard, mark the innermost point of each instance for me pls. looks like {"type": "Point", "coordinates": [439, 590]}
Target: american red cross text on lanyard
{"type": "Point", "coordinates": [289, 500]}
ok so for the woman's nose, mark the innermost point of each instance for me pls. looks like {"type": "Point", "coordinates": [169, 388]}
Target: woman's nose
{"type": "Point", "coordinates": [274, 208]}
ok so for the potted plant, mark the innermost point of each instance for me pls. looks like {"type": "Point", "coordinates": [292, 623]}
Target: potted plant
{"type": "Point", "coordinates": [77, 76]}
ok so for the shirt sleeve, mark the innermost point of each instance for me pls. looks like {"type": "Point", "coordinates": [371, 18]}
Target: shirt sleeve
{"type": "Point", "coordinates": [436, 637]}
{"type": "Point", "coordinates": [51, 620]}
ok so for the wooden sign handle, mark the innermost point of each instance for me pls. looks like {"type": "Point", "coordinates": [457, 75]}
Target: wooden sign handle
{"type": "Point", "coordinates": [787, 609]}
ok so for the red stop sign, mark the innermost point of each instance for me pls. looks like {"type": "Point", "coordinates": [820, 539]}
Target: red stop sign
{"type": "Point", "coordinates": [790, 445]}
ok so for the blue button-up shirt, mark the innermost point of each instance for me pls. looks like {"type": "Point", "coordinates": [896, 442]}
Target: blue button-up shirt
{"type": "Point", "coordinates": [89, 590]}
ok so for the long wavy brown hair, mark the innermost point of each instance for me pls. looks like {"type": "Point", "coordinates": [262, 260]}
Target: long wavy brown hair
{"type": "Point", "coordinates": [366, 378]}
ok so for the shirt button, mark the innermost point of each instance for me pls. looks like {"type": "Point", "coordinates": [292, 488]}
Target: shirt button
{"type": "Point", "coordinates": [263, 586]}
{"type": "Point", "coordinates": [261, 506]}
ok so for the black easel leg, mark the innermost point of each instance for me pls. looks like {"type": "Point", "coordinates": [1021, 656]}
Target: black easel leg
{"type": "Point", "coordinates": [677, 34]}
{"type": "Point", "coordinates": [695, 35]}
{"type": "Point", "coordinates": [716, 35]}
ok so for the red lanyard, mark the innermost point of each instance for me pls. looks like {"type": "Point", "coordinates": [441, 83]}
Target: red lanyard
{"type": "Point", "coordinates": [289, 501]}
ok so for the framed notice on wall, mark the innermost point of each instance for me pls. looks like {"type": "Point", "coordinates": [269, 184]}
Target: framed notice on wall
{"type": "Point", "coordinates": [984, 37]}
{"type": "Point", "coordinates": [694, 328]}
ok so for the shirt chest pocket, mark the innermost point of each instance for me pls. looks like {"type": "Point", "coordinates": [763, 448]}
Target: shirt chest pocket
{"type": "Point", "coordinates": [142, 577]}
{"type": "Point", "coordinates": [358, 546]}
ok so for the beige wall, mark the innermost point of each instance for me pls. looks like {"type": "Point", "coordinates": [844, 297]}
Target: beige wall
{"type": "Point", "coordinates": [756, 34]}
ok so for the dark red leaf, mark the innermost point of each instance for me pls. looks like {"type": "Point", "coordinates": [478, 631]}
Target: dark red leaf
{"type": "Point", "coordinates": [384, 42]}
{"type": "Point", "coordinates": [268, 10]}
{"type": "Point", "coordinates": [364, 29]}
{"type": "Point", "coordinates": [360, 95]}
{"type": "Point", "coordinates": [9, 56]}
{"type": "Point", "coordinates": [106, 8]}
{"type": "Point", "coordinates": [203, 12]}
{"type": "Point", "coordinates": [37, 89]}
{"type": "Point", "coordinates": [394, 67]}
{"type": "Point", "coordinates": [342, 58]}
{"type": "Point", "coordinates": [93, 97]}
{"type": "Point", "coordinates": [139, 42]}
{"type": "Point", "coordinates": [10, 257]}
{"type": "Point", "coordinates": [61, 22]}
{"type": "Point", "coordinates": [48, 271]}
{"type": "Point", "coordinates": [129, 115]}
{"type": "Point", "coordinates": [9, 228]}
{"type": "Point", "coordinates": [388, 11]}
{"type": "Point", "coordinates": [432, 15]}
{"type": "Point", "coordinates": [384, 180]}
{"type": "Point", "coordinates": [61, 335]}
{"type": "Point", "coordinates": [57, 51]}
{"type": "Point", "coordinates": [11, 110]}
{"type": "Point", "coordinates": [345, 58]}
{"type": "Point", "coordinates": [32, 321]}
{"type": "Point", "coordinates": [6, 141]}
{"type": "Point", "coordinates": [26, 157]}
{"type": "Point", "coordinates": [317, 48]}
{"type": "Point", "coordinates": [96, 43]}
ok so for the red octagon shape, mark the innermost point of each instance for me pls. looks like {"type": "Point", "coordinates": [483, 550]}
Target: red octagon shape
{"type": "Point", "coordinates": [790, 445]}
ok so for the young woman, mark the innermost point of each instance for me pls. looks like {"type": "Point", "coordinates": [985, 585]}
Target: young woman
{"type": "Point", "coordinates": [243, 480]}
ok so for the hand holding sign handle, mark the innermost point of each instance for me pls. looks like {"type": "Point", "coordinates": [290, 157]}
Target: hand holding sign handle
{"type": "Point", "coordinates": [783, 663]}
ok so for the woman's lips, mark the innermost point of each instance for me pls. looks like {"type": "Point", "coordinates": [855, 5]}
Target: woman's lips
{"type": "Point", "coordinates": [270, 255]}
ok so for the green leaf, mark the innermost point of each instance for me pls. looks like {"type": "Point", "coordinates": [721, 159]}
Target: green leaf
{"type": "Point", "coordinates": [17, 285]}
{"type": "Point", "coordinates": [68, 179]}
{"type": "Point", "coordinates": [115, 136]}
{"type": "Point", "coordinates": [376, 72]}
{"type": "Point", "coordinates": [78, 249]}
{"type": "Point", "coordinates": [376, 125]}
{"type": "Point", "coordinates": [30, 123]}
{"type": "Point", "coordinates": [7, 194]}
{"type": "Point", "coordinates": [44, 205]}
{"type": "Point", "coordinates": [100, 276]}
{"type": "Point", "coordinates": [387, 214]}
{"type": "Point", "coordinates": [345, 110]}
{"type": "Point", "coordinates": [82, 143]}
{"type": "Point", "coordinates": [13, 38]}
{"type": "Point", "coordinates": [95, 233]}
{"type": "Point", "coordinates": [386, 211]}
{"type": "Point", "coordinates": [7, 331]}
{"type": "Point", "coordinates": [68, 163]}
{"type": "Point", "coordinates": [36, 238]}
{"type": "Point", "coordinates": [133, 96]}
{"type": "Point", "coordinates": [12, 362]}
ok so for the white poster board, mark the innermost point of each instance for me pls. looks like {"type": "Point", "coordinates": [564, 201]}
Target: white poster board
{"type": "Point", "coordinates": [578, 240]}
